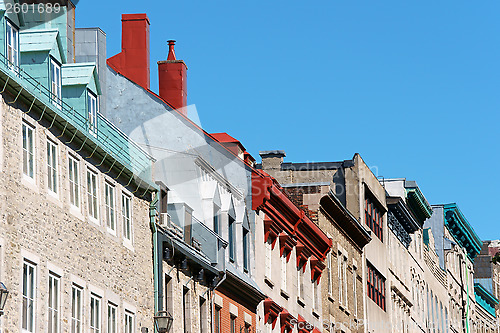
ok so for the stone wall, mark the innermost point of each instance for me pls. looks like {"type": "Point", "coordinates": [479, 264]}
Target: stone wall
{"type": "Point", "coordinates": [43, 228]}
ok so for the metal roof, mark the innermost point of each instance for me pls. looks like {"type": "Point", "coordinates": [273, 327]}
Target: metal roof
{"type": "Point", "coordinates": [41, 40]}
{"type": "Point", "coordinates": [80, 74]}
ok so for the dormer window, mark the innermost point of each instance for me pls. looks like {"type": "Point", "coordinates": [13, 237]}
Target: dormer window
{"type": "Point", "coordinates": [12, 38]}
{"type": "Point", "coordinates": [92, 112]}
{"type": "Point", "coordinates": [55, 83]}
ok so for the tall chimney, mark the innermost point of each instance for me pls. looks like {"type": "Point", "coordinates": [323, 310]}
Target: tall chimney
{"type": "Point", "coordinates": [172, 75]}
{"type": "Point", "coordinates": [133, 61]}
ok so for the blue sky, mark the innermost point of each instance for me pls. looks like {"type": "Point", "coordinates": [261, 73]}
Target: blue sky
{"type": "Point", "coordinates": [413, 86]}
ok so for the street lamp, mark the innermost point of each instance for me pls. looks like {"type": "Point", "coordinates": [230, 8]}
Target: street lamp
{"type": "Point", "coordinates": [3, 297]}
{"type": "Point", "coordinates": [163, 321]}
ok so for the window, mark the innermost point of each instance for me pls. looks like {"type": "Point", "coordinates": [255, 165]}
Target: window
{"type": "Point", "coordinates": [283, 271]}
{"type": "Point", "coordinates": [233, 324]}
{"type": "Point", "coordinates": [373, 217]}
{"type": "Point", "coordinates": [109, 202]}
{"type": "Point", "coordinates": [342, 263]}
{"type": "Point", "coordinates": [169, 302]}
{"type": "Point", "coordinates": [231, 238]}
{"type": "Point", "coordinates": [127, 217]}
{"type": "Point", "coordinates": [300, 281]}
{"type": "Point", "coordinates": [245, 250]}
{"type": "Point", "coordinates": [92, 112]}
{"type": "Point", "coordinates": [129, 322]}
{"type": "Point", "coordinates": [53, 303]}
{"type": "Point", "coordinates": [216, 219]}
{"type": "Point", "coordinates": [217, 320]}
{"type": "Point", "coordinates": [112, 322]}
{"type": "Point", "coordinates": [51, 166]}
{"type": "Point", "coordinates": [376, 286]}
{"type": "Point", "coordinates": [268, 258]}
{"type": "Point", "coordinates": [186, 310]}
{"type": "Point", "coordinates": [95, 317]}
{"type": "Point", "coordinates": [28, 151]}
{"type": "Point", "coordinates": [74, 182]}
{"type": "Point", "coordinates": [12, 38]}
{"type": "Point", "coordinates": [92, 194]}
{"type": "Point", "coordinates": [55, 82]}
{"type": "Point", "coordinates": [29, 297]}
{"type": "Point", "coordinates": [76, 309]}
{"type": "Point", "coordinates": [354, 291]}
{"type": "Point", "coordinates": [203, 316]}
{"type": "Point", "coordinates": [329, 272]}
{"type": "Point", "coordinates": [315, 296]}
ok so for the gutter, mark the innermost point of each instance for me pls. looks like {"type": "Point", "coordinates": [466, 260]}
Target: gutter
{"type": "Point", "coordinates": [154, 230]}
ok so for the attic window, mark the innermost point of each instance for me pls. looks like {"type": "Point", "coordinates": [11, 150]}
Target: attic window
{"type": "Point", "coordinates": [12, 38]}
{"type": "Point", "coordinates": [92, 112]}
{"type": "Point", "coordinates": [55, 82]}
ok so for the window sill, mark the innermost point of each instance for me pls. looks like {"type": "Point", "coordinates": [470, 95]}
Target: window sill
{"type": "Point", "coordinates": [315, 313]}
{"type": "Point", "coordinates": [94, 220]}
{"type": "Point", "coordinates": [344, 308]}
{"type": "Point", "coordinates": [30, 183]}
{"type": "Point", "coordinates": [75, 211]}
{"type": "Point", "coordinates": [301, 302]}
{"type": "Point", "coordinates": [128, 244]}
{"type": "Point", "coordinates": [269, 282]}
{"type": "Point", "coordinates": [54, 198]}
{"type": "Point", "coordinates": [284, 294]}
{"type": "Point", "coordinates": [330, 298]}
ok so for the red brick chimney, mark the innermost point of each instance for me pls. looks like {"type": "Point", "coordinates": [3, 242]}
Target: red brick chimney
{"type": "Point", "coordinates": [172, 80]}
{"type": "Point", "coordinates": [133, 61]}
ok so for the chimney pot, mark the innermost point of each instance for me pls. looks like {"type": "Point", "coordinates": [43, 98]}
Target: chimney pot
{"type": "Point", "coordinates": [171, 51]}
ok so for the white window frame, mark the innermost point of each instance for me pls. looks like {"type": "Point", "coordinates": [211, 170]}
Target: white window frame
{"type": "Point", "coordinates": [112, 318]}
{"type": "Point", "coordinates": [284, 272]}
{"type": "Point", "coordinates": [76, 309]}
{"type": "Point", "coordinates": [129, 322]}
{"type": "Point", "coordinates": [52, 167]}
{"type": "Point", "coordinates": [110, 207]}
{"type": "Point", "coordinates": [95, 313]}
{"type": "Point", "coordinates": [342, 278]}
{"type": "Point", "coordinates": [92, 110]}
{"type": "Point", "coordinates": [354, 289]}
{"type": "Point", "coordinates": [28, 134]}
{"type": "Point", "coordinates": [74, 181]}
{"type": "Point", "coordinates": [329, 273]}
{"type": "Point", "coordinates": [29, 296]}
{"type": "Point", "coordinates": [55, 83]}
{"type": "Point", "coordinates": [93, 195]}
{"type": "Point", "coordinates": [54, 303]}
{"type": "Point", "coordinates": [300, 281]}
{"type": "Point", "coordinates": [127, 217]}
{"type": "Point", "coordinates": [12, 45]}
{"type": "Point", "coordinates": [269, 259]}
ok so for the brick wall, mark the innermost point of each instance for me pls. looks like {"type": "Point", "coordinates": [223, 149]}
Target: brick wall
{"type": "Point", "coordinates": [231, 307]}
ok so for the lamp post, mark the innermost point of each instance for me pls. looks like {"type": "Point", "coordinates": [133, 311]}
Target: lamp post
{"type": "Point", "coordinates": [163, 321]}
{"type": "Point", "coordinates": [3, 297]}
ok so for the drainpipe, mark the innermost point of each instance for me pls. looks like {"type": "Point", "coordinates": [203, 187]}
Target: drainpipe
{"type": "Point", "coordinates": [154, 230]}
{"type": "Point", "coordinates": [212, 305]}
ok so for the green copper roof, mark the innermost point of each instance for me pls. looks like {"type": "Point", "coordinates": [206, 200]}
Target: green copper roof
{"type": "Point", "coordinates": [485, 299]}
{"type": "Point", "coordinates": [417, 202]}
{"type": "Point", "coordinates": [80, 74]}
{"type": "Point", "coordinates": [461, 230]}
{"type": "Point", "coordinates": [32, 40]}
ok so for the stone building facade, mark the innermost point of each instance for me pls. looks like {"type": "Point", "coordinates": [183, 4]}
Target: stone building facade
{"type": "Point", "coordinates": [75, 238]}
{"type": "Point", "coordinates": [310, 187]}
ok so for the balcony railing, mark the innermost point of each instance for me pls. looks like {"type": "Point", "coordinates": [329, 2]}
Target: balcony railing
{"type": "Point", "coordinates": [108, 141]}
{"type": "Point", "coordinates": [208, 242]}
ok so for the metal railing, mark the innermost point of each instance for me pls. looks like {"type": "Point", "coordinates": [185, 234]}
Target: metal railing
{"type": "Point", "coordinates": [105, 135]}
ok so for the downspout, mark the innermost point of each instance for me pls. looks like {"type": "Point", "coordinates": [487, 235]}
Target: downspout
{"type": "Point", "coordinates": [154, 230]}
{"type": "Point", "coordinates": [212, 305]}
